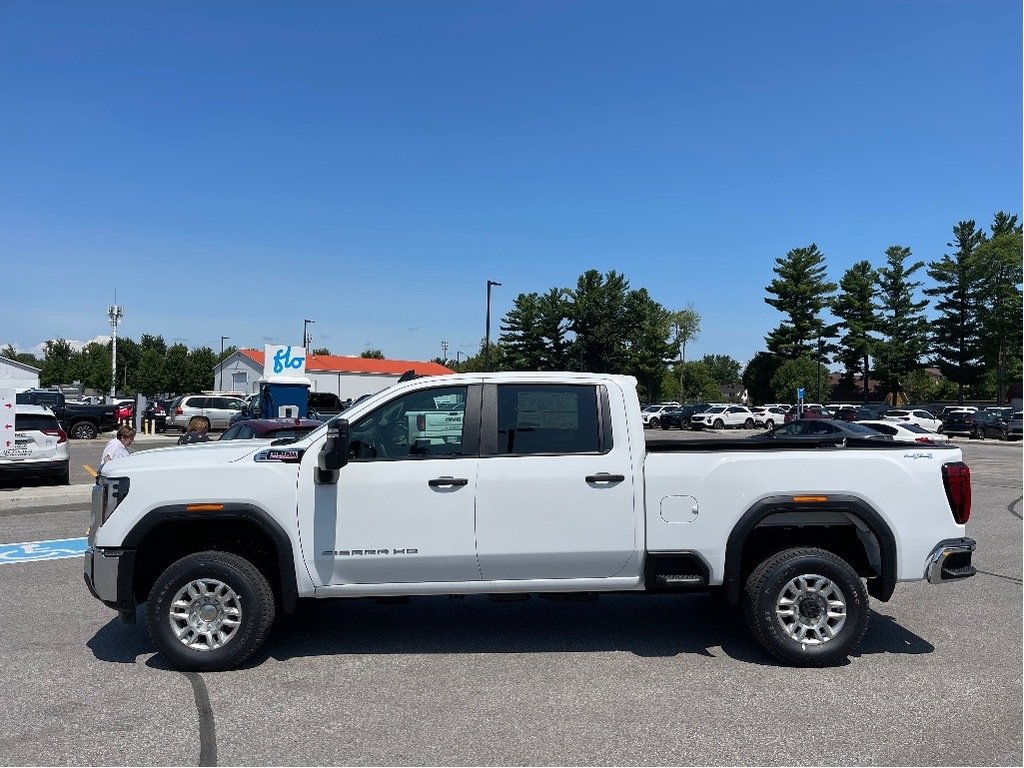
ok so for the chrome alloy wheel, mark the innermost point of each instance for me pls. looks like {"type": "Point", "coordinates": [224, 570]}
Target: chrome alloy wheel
{"type": "Point", "coordinates": [811, 609]}
{"type": "Point", "coordinates": [205, 614]}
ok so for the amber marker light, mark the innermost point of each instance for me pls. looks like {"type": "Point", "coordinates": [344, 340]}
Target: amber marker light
{"type": "Point", "coordinates": [204, 507]}
{"type": "Point", "coordinates": [809, 499]}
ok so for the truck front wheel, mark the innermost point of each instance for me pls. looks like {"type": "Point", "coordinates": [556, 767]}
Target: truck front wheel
{"type": "Point", "coordinates": [84, 430]}
{"type": "Point", "coordinates": [807, 607]}
{"type": "Point", "coordinates": [210, 611]}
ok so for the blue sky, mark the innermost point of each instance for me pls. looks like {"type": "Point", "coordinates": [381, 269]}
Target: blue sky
{"type": "Point", "coordinates": [233, 168]}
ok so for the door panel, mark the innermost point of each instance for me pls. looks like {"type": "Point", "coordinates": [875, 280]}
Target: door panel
{"type": "Point", "coordinates": [555, 497]}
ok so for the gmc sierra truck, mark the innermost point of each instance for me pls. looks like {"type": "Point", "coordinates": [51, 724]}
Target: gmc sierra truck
{"type": "Point", "coordinates": [548, 487]}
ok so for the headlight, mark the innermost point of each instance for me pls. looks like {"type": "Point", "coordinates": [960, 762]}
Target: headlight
{"type": "Point", "coordinates": [115, 491]}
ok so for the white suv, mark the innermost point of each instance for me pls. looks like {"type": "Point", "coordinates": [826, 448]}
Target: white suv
{"type": "Point", "coordinates": [722, 416]}
{"type": "Point", "coordinates": [651, 415]}
{"type": "Point", "coordinates": [39, 448]}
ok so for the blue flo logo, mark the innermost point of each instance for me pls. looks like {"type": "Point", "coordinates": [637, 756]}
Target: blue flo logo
{"type": "Point", "coordinates": [283, 360]}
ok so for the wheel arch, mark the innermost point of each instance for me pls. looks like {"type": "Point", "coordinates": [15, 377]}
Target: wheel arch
{"type": "Point", "coordinates": [170, 532]}
{"type": "Point", "coordinates": [849, 523]}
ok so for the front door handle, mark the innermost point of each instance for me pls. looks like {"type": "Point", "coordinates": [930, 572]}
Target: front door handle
{"type": "Point", "coordinates": [604, 477]}
{"type": "Point", "coordinates": [444, 482]}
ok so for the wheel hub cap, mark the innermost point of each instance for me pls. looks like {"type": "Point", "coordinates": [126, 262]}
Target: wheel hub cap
{"type": "Point", "coordinates": [205, 614]}
{"type": "Point", "coordinates": [811, 609]}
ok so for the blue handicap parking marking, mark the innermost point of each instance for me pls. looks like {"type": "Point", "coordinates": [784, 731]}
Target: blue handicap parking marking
{"type": "Point", "coordinates": [30, 551]}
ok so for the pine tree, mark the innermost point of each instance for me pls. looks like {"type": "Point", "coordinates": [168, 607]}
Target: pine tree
{"type": "Point", "coordinates": [999, 306]}
{"type": "Point", "coordinates": [855, 306]}
{"type": "Point", "coordinates": [533, 333]}
{"type": "Point", "coordinates": [956, 331]}
{"type": "Point", "coordinates": [801, 292]}
{"type": "Point", "coordinates": [902, 324]}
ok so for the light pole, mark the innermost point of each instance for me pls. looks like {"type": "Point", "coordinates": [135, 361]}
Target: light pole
{"type": "Point", "coordinates": [220, 386]}
{"type": "Point", "coordinates": [115, 313]}
{"type": "Point", "coordinates": [444, 352]}
{"type": "Point", "coordinates": [487, 332]}
{"type": "Point", "coordinates": [305, 336]}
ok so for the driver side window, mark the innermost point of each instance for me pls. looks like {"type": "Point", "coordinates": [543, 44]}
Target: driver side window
{"type": "Point", "coordinates": [423, 424]}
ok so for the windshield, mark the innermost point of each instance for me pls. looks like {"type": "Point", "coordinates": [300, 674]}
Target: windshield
{"type": "Point", "coordinates": [716, 409]}
{"type": "Point", "coordinates": [860, 428]}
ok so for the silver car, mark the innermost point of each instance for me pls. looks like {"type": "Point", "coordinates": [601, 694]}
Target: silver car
{"type": "Point", "coordinates": [217, 408]}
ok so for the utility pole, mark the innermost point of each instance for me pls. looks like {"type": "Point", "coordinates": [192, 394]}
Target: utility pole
{"type": "Point", "coordinates": [115, 313]}
{"type": "Point", "coordinates": [306, 338]}
{"type": "Point", "coordinates": [220, 386]}
{"type": "Point", "coordinates": [487, 333]}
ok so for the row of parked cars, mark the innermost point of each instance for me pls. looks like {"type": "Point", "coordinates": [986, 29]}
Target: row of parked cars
{"type": "Point", "coordinates": [872, 420]}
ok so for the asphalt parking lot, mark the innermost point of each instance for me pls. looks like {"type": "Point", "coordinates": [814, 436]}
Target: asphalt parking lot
{"type": "Point", "coordinates": [673, 680]}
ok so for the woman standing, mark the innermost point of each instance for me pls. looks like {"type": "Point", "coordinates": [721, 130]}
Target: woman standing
{"type": "Point", "coordinates": [117, 448]}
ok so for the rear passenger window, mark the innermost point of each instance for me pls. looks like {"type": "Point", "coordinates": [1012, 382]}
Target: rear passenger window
{"type": "Point", "coordinates": [27, 422]}
{"type": "Point", "coordinates": [547, 418]}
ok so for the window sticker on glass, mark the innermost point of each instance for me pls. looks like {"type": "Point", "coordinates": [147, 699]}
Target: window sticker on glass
{"type": "Point", "coordinates": [547, 410]}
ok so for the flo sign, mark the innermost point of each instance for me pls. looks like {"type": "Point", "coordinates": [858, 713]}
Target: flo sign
{"type": "Point", "coordinates": [281, 362]}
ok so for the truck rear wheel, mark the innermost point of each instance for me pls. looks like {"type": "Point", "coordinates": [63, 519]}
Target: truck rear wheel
{"type": "Point", "coordinates": [210, 611]}
{"type": "Point", "coordinates": [807, 607]}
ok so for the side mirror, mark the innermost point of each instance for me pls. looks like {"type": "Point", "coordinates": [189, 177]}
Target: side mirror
{"type": "Point", "coordinates": [334, 455]}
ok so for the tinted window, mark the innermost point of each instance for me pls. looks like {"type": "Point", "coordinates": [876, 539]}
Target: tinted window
{"type": "Point", "coordinates": [34, 421]}
{"type": "Point", "coordinates": [535, 418]}
{"type": "Point", "coordinates": [194, 402]}
{"type": "Point", "coordinates": [426, 423]}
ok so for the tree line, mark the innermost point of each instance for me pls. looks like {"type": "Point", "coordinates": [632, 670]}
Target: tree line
{"type": "Point", "coordinates": [878, 329]}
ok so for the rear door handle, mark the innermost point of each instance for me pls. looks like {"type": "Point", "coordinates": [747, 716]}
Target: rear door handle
{"type": "Point", "coordinates": [604, 477]}
{"type": "Point", "coordinates": [443, 482]}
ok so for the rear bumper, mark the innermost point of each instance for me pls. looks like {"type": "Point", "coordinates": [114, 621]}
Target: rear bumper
{"type": "Point", "coordinates": [34, 468]}
{"type": "Point", "coordinates": [950, 560]}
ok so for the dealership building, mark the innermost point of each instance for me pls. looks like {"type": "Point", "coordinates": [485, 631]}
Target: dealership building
{"type": "Point", "coordinates": [347, 377]}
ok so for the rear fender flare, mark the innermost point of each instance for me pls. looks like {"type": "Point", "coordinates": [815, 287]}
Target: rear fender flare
{"type": "Point", "coordinates": [872, 531]}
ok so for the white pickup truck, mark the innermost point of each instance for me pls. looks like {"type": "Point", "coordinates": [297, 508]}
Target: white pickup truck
{"type": "Point", "coordinates": [550, 487]}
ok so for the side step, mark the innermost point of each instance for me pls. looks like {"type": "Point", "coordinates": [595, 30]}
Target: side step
{"type": "Point", "coordinates": [678, 580]}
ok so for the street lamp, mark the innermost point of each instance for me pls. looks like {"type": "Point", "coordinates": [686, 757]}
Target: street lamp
{"type": "Point", "coordinates": [220, 386]}
{"type": "Point", "coordinates": [487, 333]}
{"type": "Point", "coordinates": [305, 336]}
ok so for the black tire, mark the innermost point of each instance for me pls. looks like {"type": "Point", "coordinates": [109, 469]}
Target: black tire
{"type": "Point", "coordinates": [748, 424]}
{"type": "Point", "coordinates": [719, 424]}
{"type": "Point", "coordinates": [1004, 434]}
{"type": "Point", "coordinates": [83, 430]}
{"type": "Point", "coordinates": [245, 592]}
{"type": "Point", "coordinates": [769, 425]}
{"type": "Point", "coordinates": [654, 423]}
{"type": "Point", "coordinates": [827, 639]}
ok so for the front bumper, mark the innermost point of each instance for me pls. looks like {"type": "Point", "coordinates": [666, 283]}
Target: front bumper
{"type": "Point", "coordinates": [950, 560]}
{"type": "Point", "coordinates": [108, 576]}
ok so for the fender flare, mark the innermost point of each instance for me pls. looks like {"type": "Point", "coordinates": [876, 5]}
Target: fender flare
{"type": "Point", "coordinates": [872, 531]}
{"type": "Point", "coordinates": [232, 511]}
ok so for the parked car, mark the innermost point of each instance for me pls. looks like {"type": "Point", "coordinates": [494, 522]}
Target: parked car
{"type": "Point", "coordinates": [768, 416]}
{"type": "Point", "coordinates": [156, 412]}
{"type": "Point", "coordinates": [82, 422]}
{"type": "Point", "coordinates": [1013, 427]}
{"type": "Point", "coordinates": [651, 415]}
{"type": "Point", "coordinates": [679, 418]}
{"type": "Point", "coordinates": [822, 429]}
{"type": "Point", "coordinates": [947, 410]}
{"type": "Point", "coordinates": [1003, 412]}
{"type": "Point", "coordinates": [906, 432]}
{"type": "Point", "coordinates": [807, 411]}
{"type": "Point", "coordinates": [276, 429]}
{"type": "Point", "coordinates": [917, 416]}
{"type": "Point", "coordinates": [217, 408]}
{"type": "Point", "coordinates": [860, 413]}
{"type": "Point", "coordinates": [326, 404]}
{"type": "Point", "coordinates": [723, 417]}
{"type": "Point", "coordinates": [976, 425]}
{"type": "Point", "coordinates": [39, 449]}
